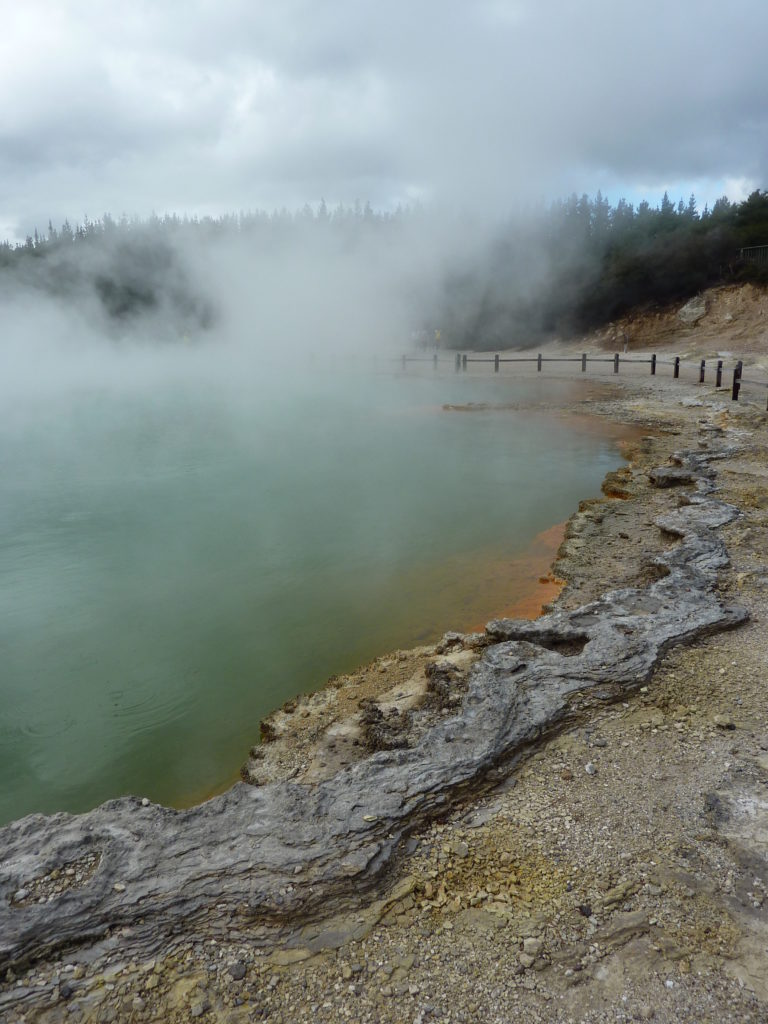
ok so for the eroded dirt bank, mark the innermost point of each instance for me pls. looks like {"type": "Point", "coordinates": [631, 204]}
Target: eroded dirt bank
{"type": "Point", "coordinates": [613, 869]}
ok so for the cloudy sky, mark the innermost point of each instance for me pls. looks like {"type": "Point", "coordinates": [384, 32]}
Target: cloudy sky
{"type": "Point", "coordinates": [209, 106]}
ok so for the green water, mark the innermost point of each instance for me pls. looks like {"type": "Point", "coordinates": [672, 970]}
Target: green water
{"type": "Point", "coordinates": [179, 558]}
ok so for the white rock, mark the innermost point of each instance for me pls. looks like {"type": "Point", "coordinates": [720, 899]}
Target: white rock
{"type": "Point", "coordinates": [693, 311]}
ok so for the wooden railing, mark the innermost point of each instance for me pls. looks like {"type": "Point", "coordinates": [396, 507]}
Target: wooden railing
{"type": "Point", "coordinates": [735, 380]}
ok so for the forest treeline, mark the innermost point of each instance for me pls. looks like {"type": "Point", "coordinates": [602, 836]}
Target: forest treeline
{"type": "Point", "coordinates": [155, 267]}
{"type": "Point", "coordinates": [574, 266]}
{"type": "Point", "coordinates": [585, 263]}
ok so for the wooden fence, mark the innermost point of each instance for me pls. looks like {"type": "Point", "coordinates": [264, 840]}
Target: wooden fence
{"type": "Point", "coordinates": [755, 254]}
{"type": "Point", "coordinates": [733, 376]}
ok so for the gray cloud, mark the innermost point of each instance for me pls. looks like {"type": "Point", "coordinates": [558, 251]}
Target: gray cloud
{"type": "Point", "coordinates": [190, 105]}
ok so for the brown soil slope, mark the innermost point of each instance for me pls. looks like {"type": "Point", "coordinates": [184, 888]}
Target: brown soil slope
{"type": "Point", "coordinates": [735, 320]}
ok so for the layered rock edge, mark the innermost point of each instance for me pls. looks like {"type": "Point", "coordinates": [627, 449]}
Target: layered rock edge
{"type": "Point", "coordinates": [289, 850]}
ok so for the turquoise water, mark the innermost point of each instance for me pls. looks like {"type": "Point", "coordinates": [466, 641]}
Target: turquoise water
{"type": "Point", "coordinates": [179, 557]}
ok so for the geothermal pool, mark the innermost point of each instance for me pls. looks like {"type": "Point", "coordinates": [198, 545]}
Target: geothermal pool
{"type": "Point", "coordinates": [180, 554]}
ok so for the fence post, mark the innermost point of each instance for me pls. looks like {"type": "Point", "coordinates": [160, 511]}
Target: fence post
{"type": "Point", "coordinates": [583, 362]}
{"type": "Point", "coordinates": [653, 365]}
{"type": "Point", "coordinates": [701, 371]}
{"type": "Point", "coordinates": [496, 363]}
{"type": "Point", "coordinates": [676, 371]}
{"type": "Point", "coordinates": [464, 362]}
{"type": "Point", "coordinates": [458, 361]}
{"type": "Point", "coordinates": [719, 374]}
{"type": "Point", "coordinates": [404, 359]}
{"type": "Point", "coordinates": [616, 363]}
{"type": "Point", "coordinates": [538, 363]}
{"type": "Point", "coordinates": [736, 382]}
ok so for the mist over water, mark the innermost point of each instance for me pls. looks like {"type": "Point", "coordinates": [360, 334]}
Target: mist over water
{"type": "Point", "coordinates": [204, 510]}
{"type": "Point", "coordinates": [186, 542]}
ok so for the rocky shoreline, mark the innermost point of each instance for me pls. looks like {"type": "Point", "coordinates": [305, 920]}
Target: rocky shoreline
{"type": "Point", "coordinates": [466, 844]}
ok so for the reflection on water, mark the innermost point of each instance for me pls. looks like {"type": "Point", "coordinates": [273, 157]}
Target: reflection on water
{"type": "Point", "coordinates": [177, 562]}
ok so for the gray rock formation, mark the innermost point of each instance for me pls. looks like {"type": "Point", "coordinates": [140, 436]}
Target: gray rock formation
{"type": "Point", "coordinates": [693, 311]}
{"type": "Point", "coordinates": [286, 849]}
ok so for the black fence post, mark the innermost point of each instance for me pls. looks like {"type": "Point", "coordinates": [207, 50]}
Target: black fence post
{"type": "Point", "coordinates": [616, 363]}
{"type": "Point", "coordinates": [458, 361]}
{"type": "Point", "coordinates": [496, 364]}
{"type": "Point", "coordinates": [653, 365]}
{"type": "Point", "coordinates": [583, 362]}
{"type": "Point", "coordinates": [676, 371]}
{"type": "Point", "coordinates": [434, 360]}
{"type": "Point", "coordinates": [464, 362]}
{"type": "Point", "coordinates": [701, 371]}
{"type": "Point", "coordinates": [736, 382]}
{"type": "Point", "coordinates": [719, 374]}
{"type": "Point", "coordinates": [538, 363]}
